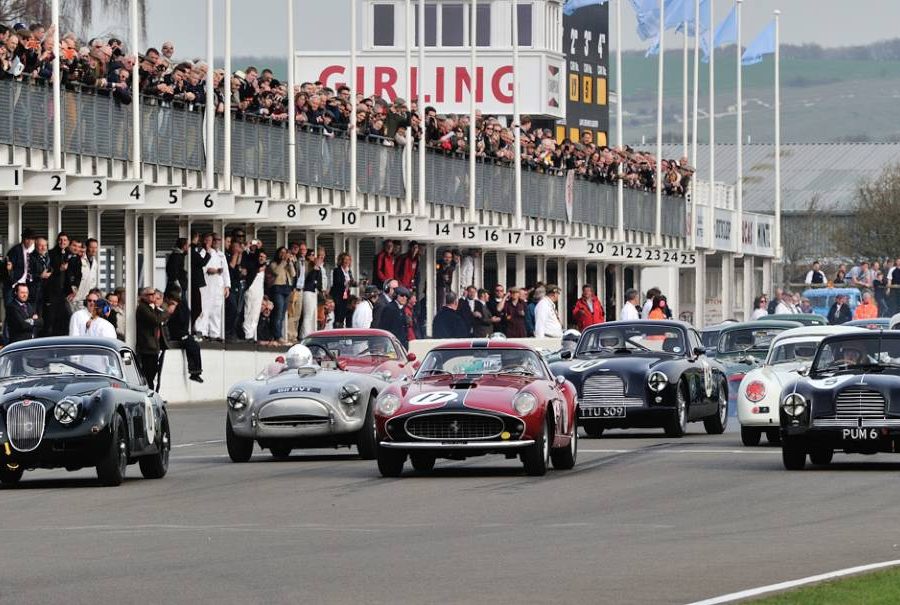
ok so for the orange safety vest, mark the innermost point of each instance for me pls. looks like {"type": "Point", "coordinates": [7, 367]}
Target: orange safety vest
{"type": "Point", "coordinates": [866, 311]}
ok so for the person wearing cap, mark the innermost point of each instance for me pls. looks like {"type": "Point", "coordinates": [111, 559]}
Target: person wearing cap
{"type": "Point", "coordinates": [546, 316]}
{"type": "Point", "coordinates": [363, 314]}
{"type": "Point", "coordinates": [393, 319]}
{"type": "Point", "coordinates": [98, 325]}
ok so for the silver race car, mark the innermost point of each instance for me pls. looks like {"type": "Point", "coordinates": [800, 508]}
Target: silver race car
{"type": "Point", "coordinates": [307, 401]}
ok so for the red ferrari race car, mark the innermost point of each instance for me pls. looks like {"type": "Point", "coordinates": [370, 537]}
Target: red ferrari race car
{"type": "Point", "coordinates": [471, 398]}
{"type": "Point", "coordinates": [374, 352]}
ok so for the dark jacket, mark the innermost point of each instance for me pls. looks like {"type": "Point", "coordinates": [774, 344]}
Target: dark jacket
{"type": "Point", "coordinates": [514, 316]}
{"type": "Point", "coordinates": [198, 278]}
{"type": "Point", "coordinates": [339, 286]}
{"type": "Point", "coordinates": [394, 320]}
{"type": "Point", "coordinates": [179, 324]}
{"type": "Point", "coordinates": [482, 327]}
{"type": "Point", "coordinates": [466, 314]}
{"type": "Point", "coordinates": [448, 324]}
{"type": "Point", "coordinates": [380, 303]}
{"type": "Point", "coordinates": [176, 273]}
{"type": "Point", "coordinates": [16, 255]}
{"type": "Point", "coordinates": [835, 317]}
{"type": "Point", "coordinates": [149, 329]}
{"type": "Point", "coordinates": [59, 285]}
{"type": "Point", "coordinates": [19, 321]}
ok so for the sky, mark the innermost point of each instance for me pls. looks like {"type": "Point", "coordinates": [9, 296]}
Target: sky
{"type": "Point", "coordinates": [260, 30]}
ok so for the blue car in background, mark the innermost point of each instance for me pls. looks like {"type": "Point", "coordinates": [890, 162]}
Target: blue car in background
{"type": "Point", "coordinates": [821, 299]}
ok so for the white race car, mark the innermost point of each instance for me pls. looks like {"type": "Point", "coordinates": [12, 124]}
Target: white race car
{"type": "Point", "coordinates": [760, 390]}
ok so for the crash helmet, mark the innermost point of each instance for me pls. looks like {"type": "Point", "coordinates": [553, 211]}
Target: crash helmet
{"type": "Point", "coordinates": [571, 336]}
{"type": "Point", "coordinates": [298, 356]}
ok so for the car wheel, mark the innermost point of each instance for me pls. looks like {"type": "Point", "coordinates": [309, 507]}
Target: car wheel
{"type": "Point", "coordinates": [156, 465]}
{"type": "Point", "coordinates": [239, 448]}
{"type": "Point", "coordinates": [111, 468]}
{"type": "Point", "coordinates": [773, 436]}
{"type": "Point", "coordinates": [821, 456]}
{"type": "Point", "coordinates": [564, 458]}
{"type": "Point", "coordinates": [677, 424]}
{"type": "Point", "coordinates": [750, 436]}
{"type": "Point", "coordinates": [280, 452]}
{"type": "Point", "coordinates": [793, 455]}
{"type": "Point", "coordinates": [536, 459]}
{"type": "Point", "coordinates": [390, 462]}
{"type": "Point", "coordinates": [715, 424]}
{"type": "Point", "coordinates": [367, 440]}
{"type": "Point", "coordinates": [11, 475]}
{"type": "Point", "coordinates": [593, 429]}
{"type": "Point", "coordinates": [422, 463]}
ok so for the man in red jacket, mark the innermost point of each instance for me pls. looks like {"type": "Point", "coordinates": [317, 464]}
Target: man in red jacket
{"type": "Point", "coordinates": [384, 263]}
{"type": "Point", "coordinates": [406, 270]}
{"type": "Point", "coordinates": [588, 310]}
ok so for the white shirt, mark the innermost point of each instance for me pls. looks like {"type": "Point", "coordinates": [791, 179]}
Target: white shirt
{"type": "Point", "coordinates": [645, 310]}
{"type": "Point", "coordinates": [101, 328]}
{"type": "Point", "coordinates": [629, 312]}
{"type": "Point", "coordinates": [90, 277]}
{"type": "Point", "coordinates": [546, 320]}
{"type": "Point", "coordinates": [466, 271]}
{"type": "Point", "coordinates": [362, 316]}
{"type": "Point", "coordinates": [758, 313]}
{"type": "Point", "coordinates": [301, 275]}
{"type": "Point", "coordinates": [217, 261]}
{"type": "Point", "coordinates": [26, 252]}
{"type": "Point", "coordinates": [78, 323]}
{"type": "Point", "coordinates": [809, 277]}
{"type": "Point", "coordinates": [783, 308]}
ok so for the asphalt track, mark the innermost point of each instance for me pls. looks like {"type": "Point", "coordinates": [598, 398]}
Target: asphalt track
{"type": "Point", "coordinates": [642, 519]}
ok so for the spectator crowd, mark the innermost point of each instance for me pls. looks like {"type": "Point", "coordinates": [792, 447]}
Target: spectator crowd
{"type": "Point", "coordinates": [104, 66]}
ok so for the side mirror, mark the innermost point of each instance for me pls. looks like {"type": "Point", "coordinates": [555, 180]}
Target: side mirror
{"type": "Point", "coordinates": [560, 379]}
{"type": "Point", "coordinates": [566, 355]}
{"type": "Point", "coordinates": [341, 365]}
{"type": "Point", "coordinates": [416, 365]}
{"type": "Point", "coordinates": [410, 357]}
{"type": "Point", "coordinates": [803, 371]}
{"type": "Point", "coordinates": [698, 351]}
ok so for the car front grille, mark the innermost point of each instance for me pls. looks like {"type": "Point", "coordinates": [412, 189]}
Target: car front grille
{"type": "Point", "coordinates": [294, 420]}
{"type": "Point", "coordinates": [859, 402]}
{"type": "Point", "coordinates": [25, 425]}
{"type": "Point", "coordinates": [454, 427]}
{"type": "Point", "coordinates": [606, 390]}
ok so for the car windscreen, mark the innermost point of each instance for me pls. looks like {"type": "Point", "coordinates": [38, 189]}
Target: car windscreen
{"type": "Point", "coordinates": [858, 352]}
{"type": "Point", "coordinates": [709, 338]}
{"type": "Point", "coordinates": [355, 346]}
{"type": "Point", "coordinates": [754, 339]}
{"type": "Point", "coordinates": [793, 351]}
{"type": "Point", "coordinates": [632, 338]}
{"type": "Point", "coordinates": [481, 361]}
{"type": "Point", "coordinates": [41, 361]}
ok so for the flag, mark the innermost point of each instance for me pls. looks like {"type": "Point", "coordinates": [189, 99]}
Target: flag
{"type": "Point", "coordinates": [647, 12]}
{"type": "Point", "coordinates": [573, 5]}
{"type": "Point", "coordinates": [726, 33]}
{"type": "Point", "coordinates": [679, 12]}
{"type": "Point", "coordinates": [764, 44]}
{"type": "Point", "coordinates": [688, 13]}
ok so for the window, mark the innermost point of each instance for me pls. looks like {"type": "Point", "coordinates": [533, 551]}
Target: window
{"type": "Point", "coordinates": [452, 24]}
{"type": "Point", "coordinates": [383, 24]}
{"type": "Point", "coordinates": [525, 26]}
{"type": "Point", "coordinates": [430, 24]}
{"type": "Point", "coordinates": [483, 35]}
{"type": "Point", "coordinates": [132, 375]}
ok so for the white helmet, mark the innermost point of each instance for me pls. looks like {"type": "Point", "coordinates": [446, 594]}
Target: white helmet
{"type": "Point", "coordinates": [298, 356]}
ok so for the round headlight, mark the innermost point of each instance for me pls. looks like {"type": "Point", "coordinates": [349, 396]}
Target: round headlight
{"type": "Point", "coordinates": [237, 399]}
{"type": "Point", "coordinates": [657, 381]}
{"type": "Point", "coordinates": [755, 391]}
{"type": "Point", "coordinates": [524, 403]}
{"type": "Point", "coordinates": [794, 404]}
{"type": "Point", "coordinates": [349, 394]}
{"type": "Point", "coordinates": [66, 410]}
{"type": "Point", "coordinates": [387, 404]}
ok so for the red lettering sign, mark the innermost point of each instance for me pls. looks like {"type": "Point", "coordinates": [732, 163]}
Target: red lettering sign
{"type": "Point", "coordinates": [504, 94]}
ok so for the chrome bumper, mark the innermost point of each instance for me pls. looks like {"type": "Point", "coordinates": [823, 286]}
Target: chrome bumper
{"type": "Point", "coordinates": [468, 445]}
{"type": "Point", "coordinates": [850, 423]}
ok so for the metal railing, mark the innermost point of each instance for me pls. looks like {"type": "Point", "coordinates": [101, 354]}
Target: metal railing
{"type": "Point", "coordinates": [172, 134]}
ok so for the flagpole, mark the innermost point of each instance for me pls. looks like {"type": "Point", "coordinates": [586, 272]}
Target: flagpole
{"type": "Point", "coordinates": [659, 119]}
{"type": "Point", "coordinates": [57, 89]}
{"type": "Point", "coordinates": [354, 81]}
{"type": "Point", "coordinates": [739, 181]}
{"type": "Point", "coordinates": [684, 86]}
{"type": "Point", "coordinates": [210, 95]}
{"type": "Point", "coordinates": [407, 149]}
{"type": "Point", "coordinates": [473, 34]}
{"type": "Point", "coordinates": [697, 34]}
{"type": "Point", "coordinates": [226, 95]}
{"type": "Point", "coordinates": [421, 102]}
{"type": "Point", "coordinates": [778, 135]}
{"type": "Point", "coordinates": [620, 137]}
{"type": "Point", "coordinates": [292, 107]}
{"type": "Point", "coordinates": [517, 134]}
{"type": "Point", "coordinates": [708, 230]}
{"type": "Point", "coordinates": [136, 93]}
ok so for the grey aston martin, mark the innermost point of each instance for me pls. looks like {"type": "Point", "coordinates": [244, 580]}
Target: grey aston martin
{"type": "Point", "coordinates": [308, 401]}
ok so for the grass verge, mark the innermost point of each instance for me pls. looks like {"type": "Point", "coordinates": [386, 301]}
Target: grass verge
{"type": "Point", "coordinates": [877, 588]}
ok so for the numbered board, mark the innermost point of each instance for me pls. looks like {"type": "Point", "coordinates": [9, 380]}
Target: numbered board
{"type": "Point", "coordinates": [636, 254]}
{"type": "Point", "coordinates": [207, 201]}
{"type": "Point", "coordinates": [161, 197]}
{"type": "Point", "coordinates": [251, 208]}
{"type": "Point", "coordinates": [11, 178]}
{"type": "Point", "coordinates": [43, 183]}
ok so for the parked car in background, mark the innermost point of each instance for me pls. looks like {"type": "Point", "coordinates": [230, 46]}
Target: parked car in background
{"type": "Point", "coordinates": [821, 299]}
{"type": "Point", "coordinates": [878, 323]}
{"type": "Point", "coordinates": [807, 319]}
{"type": "Point", "coordinates": [709, 336]}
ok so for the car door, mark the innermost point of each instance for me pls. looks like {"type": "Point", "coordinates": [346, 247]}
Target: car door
{"type": "Point", "coordinates": [140, 403]}
{"type": "Point", "coordinates": [701, 368]}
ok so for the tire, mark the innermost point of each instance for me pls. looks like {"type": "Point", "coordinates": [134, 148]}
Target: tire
{"type": "Point", "coordinates": [422, 463]}
{"type": "Point", "coordinates": [677, 424]}
{"type": "Point", "coordinates": [715, 424]}
{"type": "Point", "coordinates": [773, 436]}
{"type": "Point", "coordinates": [11, 476]}
{"type": "Point", "coordinates": [821, 456]}
{"type": "Point", "coordinates": [564, 458]}
{"type": "Point", "coordinates": [793, 455]}
{"type": "Point", "coordinates": [536, 459]}
{"type": "Point", "coordinates": [240, 449]}
{"type": "Point", "coordinates": [156, 465]}
{"type": "Point", "coordinates": [367, 439]}
{"type": "Point", "coordinates": [390, 462]}
{"type": "Point", "coordinates": [750, 436]}
{"type": "Point", "coordinates": [593, 429]}
{"type": "Point", "coordinates": [112, 466]}
{"type": "Point", "coordinates": [280, 451]}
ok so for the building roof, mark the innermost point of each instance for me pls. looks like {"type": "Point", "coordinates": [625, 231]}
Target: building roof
{"type": "Point", "coordinates": [832, 172]}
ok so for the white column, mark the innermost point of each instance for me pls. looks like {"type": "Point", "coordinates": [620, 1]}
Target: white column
{"type": "Point", "coordinates": [292, 107]}
{"type": "Point", "coordinates": [501, 269]}
{"type": "Point", "coordinates": [562, 270]}
{"type": "Point", "coordinates": [473, 42]}
{"type": "Point", "coordinates": [93, 216]}
{"type": "Point", "coordinates": [14, 222]}
{"type": "Point", "coordinates": [407, 150]}
{"type": "Point", "coordinates": [580, 275]}
{"type": "Point", "coordinates": [767, 277]}
{"type": "Point", "coordinates": [149, 221]}
{"type": "Point", "coordinates": [700, 291]}
{"type": "Point", "coordinates": [696, 112]}
{"type": "Point", "coordinates": [541, 265]}
{"type": "Point", "coordinates": [131, 282]}
{"type": "Point", "coordinates": [727, 286]}
{"type": "Point", "coordinates": [685, 83]}
{"type": "Point", "coordinates": [749, 293]}
{"type": "Point", "coordinates": [420, 93]}
{"type": "Point", "coordinates": [520, 271]}
{"type": "Point", "coordinates": [620, 290]}
{"type": "Point", "coordinates": [431, 305]}
{"type": "Point", "coordinates": [354, 142]}
{"type": "Point", "coordinates": [479, 270]}
{"type": "Point", "coordinates": [710, 208]}
{"type": "Point", "coordinates": [659, 120]}
{"type": "Point", "coordinates": [517, 134]}
{"type": "Point", "coordinates": [54, 222]}
{"type": "Point", "coordinates": [226, 93]}
{"type": "Point", "coordinates": [620, 98]}
{"type": "Point", "coordinates": [778, 135]}
{"type": "Point", "coordinates": [281, 238]}
{"type": "Point", "coordinates": [136, 101]}
{"type": "Point", "coordinates": [57, 92]}
{"type": "Point", "coordinates": [739, 180]}
{"type": "Point", "coordinates": [210, 101]}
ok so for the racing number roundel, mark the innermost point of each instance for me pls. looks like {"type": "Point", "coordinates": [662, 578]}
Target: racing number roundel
{"type": "Point", "coordinates": [707, 377]}
{"type": "Point", "coordinates": [149, 420]}
{"type": "Point", "coordinates": [432, 398]}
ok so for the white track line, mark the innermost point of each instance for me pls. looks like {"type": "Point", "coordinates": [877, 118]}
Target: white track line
{"type": "Point", "coordinates": [755, 592]}
{"type": "Point", "coordinates": [198, 443]}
